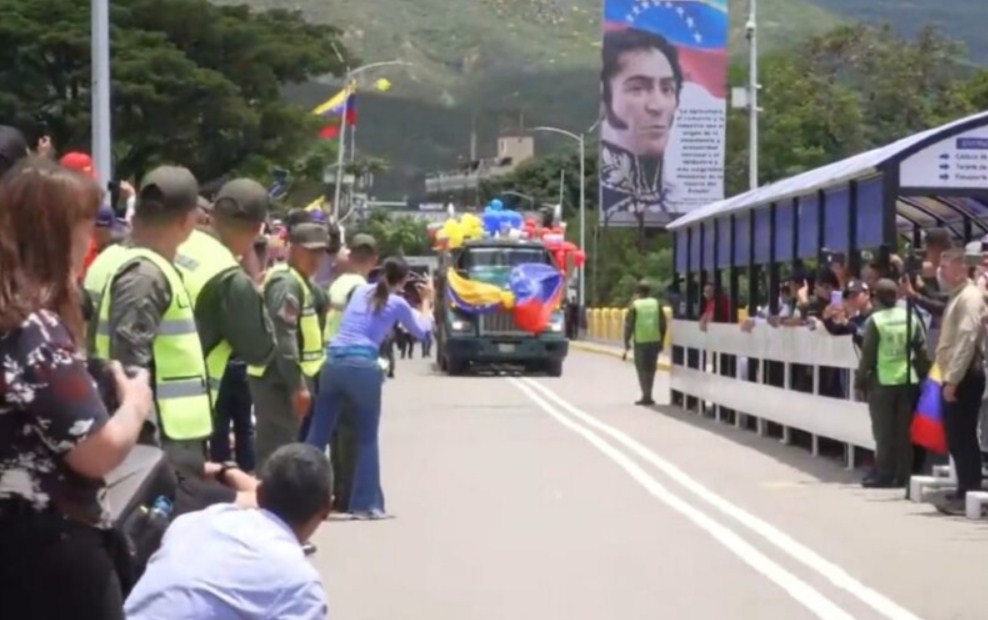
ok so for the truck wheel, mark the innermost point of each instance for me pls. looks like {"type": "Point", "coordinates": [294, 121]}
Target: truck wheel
{"type": "Point", "coordinates": [456, 367]}
{"type": "Point", "coordinates": [554, 368]}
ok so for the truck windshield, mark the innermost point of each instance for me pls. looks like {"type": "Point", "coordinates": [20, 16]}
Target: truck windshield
{"type": "Point", "coordinates": [502, 257]}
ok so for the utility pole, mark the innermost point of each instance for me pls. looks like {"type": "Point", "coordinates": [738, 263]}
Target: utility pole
{"type": "Point", "coordinates": [751, 32]}
{"type": "Point", "coordinates": [101, 128]}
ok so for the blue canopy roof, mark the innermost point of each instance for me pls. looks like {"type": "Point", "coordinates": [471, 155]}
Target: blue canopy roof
{"type": "Point", "coordinates": [857, 167]}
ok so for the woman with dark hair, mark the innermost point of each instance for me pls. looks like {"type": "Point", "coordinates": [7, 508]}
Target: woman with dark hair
{"type": "Point", "coordinates": [57, 440]}
{"type": "Point", "coordinates": [352, 377]}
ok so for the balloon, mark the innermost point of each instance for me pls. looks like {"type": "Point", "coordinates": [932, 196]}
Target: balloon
{"type": "Point", "coordinates": [514, 219]}
{"type": "Point", "coordinates": [492, 222]}
{"type": "Point", "coordinates": [496, 204]}
{"type": "Point", "coordinates": [579, 258]}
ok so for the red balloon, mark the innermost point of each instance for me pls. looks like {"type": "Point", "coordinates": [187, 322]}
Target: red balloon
{"type": "Point", "coordinates": [579, 258]}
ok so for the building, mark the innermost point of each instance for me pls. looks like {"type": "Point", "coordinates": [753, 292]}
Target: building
{"type": "Point", "coordinates": [513, 149]}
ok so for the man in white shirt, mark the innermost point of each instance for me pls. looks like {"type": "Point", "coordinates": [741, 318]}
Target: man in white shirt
{"type": "Point", "coordinates": [227, 562]}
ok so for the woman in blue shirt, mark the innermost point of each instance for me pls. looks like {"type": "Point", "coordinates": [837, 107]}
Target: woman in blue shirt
{"type": "Point", "coordinates": [352, 377]}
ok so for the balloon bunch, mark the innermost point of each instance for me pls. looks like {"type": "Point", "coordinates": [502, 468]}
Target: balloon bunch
{"type": "Point", "coordinates": [453, 232]}
{"type": "Point", "coordinates": [499, 222]}
{"type": "Point", "coordinates": [554, 239]}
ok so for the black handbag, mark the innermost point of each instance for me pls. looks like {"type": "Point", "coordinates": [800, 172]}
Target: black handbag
{"type": "Point", "coordinates": [132, 490]}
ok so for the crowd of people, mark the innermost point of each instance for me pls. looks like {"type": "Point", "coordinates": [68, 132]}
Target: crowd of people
{"type": "Point", "coordinates": [158, 324]}
{"type": "Point", "coordinates": [908, 316]}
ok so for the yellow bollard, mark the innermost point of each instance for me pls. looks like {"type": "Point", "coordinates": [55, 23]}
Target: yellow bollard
{"type": "Point", "coordinates": [667, 341]}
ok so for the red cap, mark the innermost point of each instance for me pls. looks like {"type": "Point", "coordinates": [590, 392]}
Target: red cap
{"type": "Point", "coordinates": [79, 161]}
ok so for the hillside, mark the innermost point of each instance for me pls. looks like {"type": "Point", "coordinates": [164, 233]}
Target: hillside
{"type": "Point", "coordinates": [494, 63]}
{"type": "Point", "coordinates": [961, 19]}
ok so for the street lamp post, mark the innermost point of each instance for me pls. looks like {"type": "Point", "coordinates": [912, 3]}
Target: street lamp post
{"type": "Point", "coordinates": [100, 90]}
{"type": "Point", "coordinates": [581, 140]}
{"type": "Point", "coordinates": [351, 75]}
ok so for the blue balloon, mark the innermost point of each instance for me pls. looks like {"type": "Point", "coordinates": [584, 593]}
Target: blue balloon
{"type": "Point", "coordinates": [496, 205]}
{"type": "Point", "coordinates": [515, 219]}
{"type": "Point", "coordinates": [492, 221]}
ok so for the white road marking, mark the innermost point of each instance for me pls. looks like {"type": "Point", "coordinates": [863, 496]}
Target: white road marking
{"type": "Point", "coordinates": [799, 590]}
{"type": "Point", "coordinates": [801, 553]}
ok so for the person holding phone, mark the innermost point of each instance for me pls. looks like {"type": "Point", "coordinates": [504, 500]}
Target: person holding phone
{"type": "Point", "coordinates": [352, 377]}
{"type": "Point", "coordinates": [57, 439]}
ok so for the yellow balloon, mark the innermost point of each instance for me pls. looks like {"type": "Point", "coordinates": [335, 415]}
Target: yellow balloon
{"type": "Point", "coordinates": [383, 85]}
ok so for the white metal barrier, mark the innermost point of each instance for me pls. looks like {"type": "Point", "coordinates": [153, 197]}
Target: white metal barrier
{"type": "Point", "coordinates": [840, 419]}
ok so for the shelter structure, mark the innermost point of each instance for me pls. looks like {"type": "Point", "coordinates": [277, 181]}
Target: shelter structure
{"type": "Point", "coordinates": [878, 200]}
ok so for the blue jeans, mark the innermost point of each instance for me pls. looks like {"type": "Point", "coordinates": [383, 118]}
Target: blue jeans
{"type": "Point", "coordinates": [233, 405]}
{"type": "Point", "coordinates": [356, 384]}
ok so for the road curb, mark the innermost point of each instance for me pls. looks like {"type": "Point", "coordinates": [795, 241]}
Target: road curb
{"type": "Point", "coordinates": [591, 347]}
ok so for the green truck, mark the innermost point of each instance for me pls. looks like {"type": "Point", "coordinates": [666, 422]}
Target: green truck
{"type": "Point", "coordinates": [493, 339]}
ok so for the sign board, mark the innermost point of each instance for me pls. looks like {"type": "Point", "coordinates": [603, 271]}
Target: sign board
{"type": "Point", "coordinates": [958, 162]}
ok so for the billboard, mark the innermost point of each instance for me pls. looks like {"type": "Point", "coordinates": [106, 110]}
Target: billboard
{"type": "Point", "coordinates": [664, 109]}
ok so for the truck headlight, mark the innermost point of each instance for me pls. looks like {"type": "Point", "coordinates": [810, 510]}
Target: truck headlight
{"type": "Point", "coordinates": [459, 325]}
{"type": "Point", "coordinates": [556, 325]}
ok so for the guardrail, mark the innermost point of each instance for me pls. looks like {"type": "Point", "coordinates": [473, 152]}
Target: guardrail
{"type": "Point", "coordinates": [607, 325]}
{"type": "Point", "coordinates": [755, 374]}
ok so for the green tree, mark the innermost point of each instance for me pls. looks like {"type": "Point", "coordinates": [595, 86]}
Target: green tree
{"type": "Point", "coordinates": [396, 234]}
{"type": "Point", "coordinates": [193, 82]}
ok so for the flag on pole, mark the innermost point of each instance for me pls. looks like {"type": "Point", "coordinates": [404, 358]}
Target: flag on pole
{"type": "Point", "coordinates": [343, 103]}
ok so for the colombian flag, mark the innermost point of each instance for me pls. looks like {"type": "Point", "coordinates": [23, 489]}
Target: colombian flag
{"type": "Point", "coordinates": [927, 425]}
{"type": "Point", "coordinates": [339, 108]}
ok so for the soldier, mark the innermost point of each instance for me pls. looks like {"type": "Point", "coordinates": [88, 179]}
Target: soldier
{"type": "Point", "coordinates": [146, 320]}
{"type": "Point", "coordinates": [282, 390]}
{"type": "Point", "coordinates": [233, 327]}
{"type": "Point", "coordinates": [889, 374]}
{"type": "Point", "coordinates": [645, 325]}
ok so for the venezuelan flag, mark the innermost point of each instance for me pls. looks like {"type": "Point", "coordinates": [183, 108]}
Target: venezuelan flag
{"type": "Point", "coordinates": [475, 297]}
{"type": "Point", "coordinates": [342, 104]}
{"type": "Point", "coordinates": [927, 426]}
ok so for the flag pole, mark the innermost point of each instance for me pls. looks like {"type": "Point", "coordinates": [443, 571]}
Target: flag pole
{"type": "Point", "coordinates": [340, 150]}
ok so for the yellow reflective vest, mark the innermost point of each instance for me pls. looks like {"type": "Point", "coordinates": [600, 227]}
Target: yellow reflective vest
{"type": "Point", "coordinates": [199, 260]}
{"type": "Point", "coordinates": [339, 295]}
{"type": "Point", "coordinates": [106, 264]}
{"type": "Point", "coordinates": [312, 351]}
{"type": "Point", "coordinates": [180, 381]}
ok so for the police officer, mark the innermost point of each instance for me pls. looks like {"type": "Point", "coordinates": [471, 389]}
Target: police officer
{"type": "Point", "coordinates": [233, 327]}
{"type": "Point", "coordinates": [645, 325]}
{"type": "Point", "coordinates": [889, 375]}
{"type": "Point", "coordinates": [282, 390]}
{"type": "Point", "coordinates": [146, 319]}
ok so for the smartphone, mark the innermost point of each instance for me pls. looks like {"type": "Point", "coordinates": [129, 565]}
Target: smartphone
{"type": "Point", "coordinates": [836, 298]}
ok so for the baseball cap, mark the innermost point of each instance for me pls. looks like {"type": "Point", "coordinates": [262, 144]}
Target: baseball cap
{"type": "Point", "coordinates": [105, 217]}
{"type": "Point", "coordinates": [363, 241]}
{"type": "Point", "coordinates": [13, 147]}
{"type": "Point", "coordinates": [856, 286]}
{"type": "Point", "coordinates": [77, 160]}
{"type": "Point", "coordinates": [243, 199]}
{"type": "Point", "coordinates": [309, 235]}
{"type": "Point", "coordinates": [173, 186]}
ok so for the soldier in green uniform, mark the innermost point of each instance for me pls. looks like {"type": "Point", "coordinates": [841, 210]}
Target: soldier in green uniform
{"type": "Point", "coordinates": [891, 383]}
{"type": "Point", "coordinates": [146, 319]}
{"type": "Point", "coordinates": [645, 326]}
{"type": "Point", "coordinates": [233, 326]}
{"type": "Point", "coordinates": [282, 390]}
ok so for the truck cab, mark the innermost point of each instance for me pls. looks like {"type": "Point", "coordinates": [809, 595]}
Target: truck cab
{"type": "Point", "coordinates": [493, 339]}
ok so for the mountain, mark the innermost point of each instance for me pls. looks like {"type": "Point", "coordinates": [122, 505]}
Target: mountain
{"type": "Point", "coordinates": [496, 64]}
{"type": "Point", "coordinates": [962, 20]}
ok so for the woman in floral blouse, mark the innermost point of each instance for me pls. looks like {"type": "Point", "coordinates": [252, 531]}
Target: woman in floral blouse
{"type": "Point", "coordinates": [57, 440]}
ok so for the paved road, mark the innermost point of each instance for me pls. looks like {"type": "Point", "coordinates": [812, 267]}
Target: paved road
{"type": "Point", "coordinates": [545, 499]}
